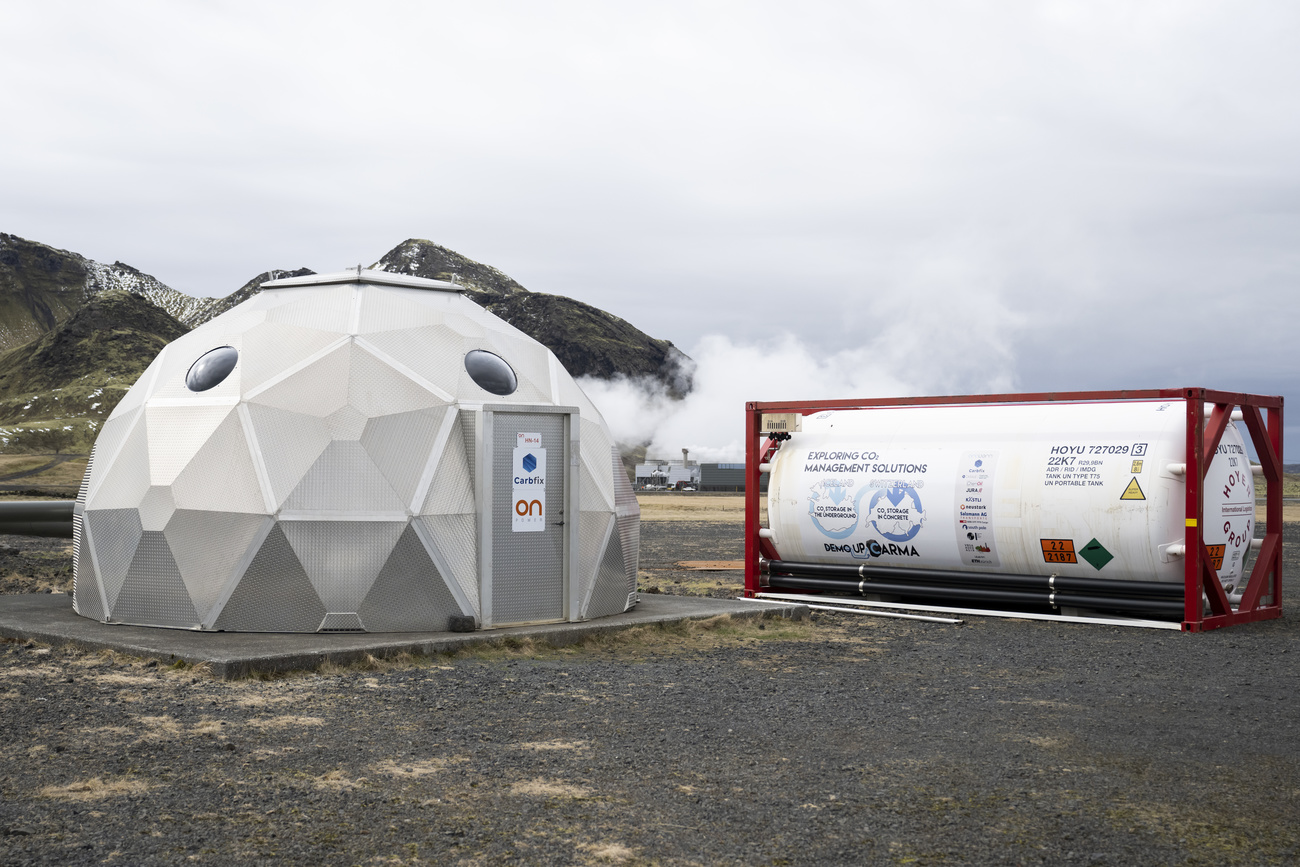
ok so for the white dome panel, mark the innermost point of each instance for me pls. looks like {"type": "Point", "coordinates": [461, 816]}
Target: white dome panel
{"type": "Point", "coordinates": [271, 348]}
{"type": "Point", "coordinates": [400, 444]}
{"type": "Point", "coordinates": [207, 547]}
{"type": "Point", "coordinates": [344, 481]}
{"type": "Point", "coordinates": [318, 387]}
{"type": "Point", "coordinates": [342, 558]}
{"type": "Point", "coordinates": [325, 308]}
{"type": "Point", "coordinates": [221, 477]}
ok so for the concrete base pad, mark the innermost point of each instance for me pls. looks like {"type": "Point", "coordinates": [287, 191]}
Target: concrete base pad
{"type": "Point", "coordinates": [49, 618]}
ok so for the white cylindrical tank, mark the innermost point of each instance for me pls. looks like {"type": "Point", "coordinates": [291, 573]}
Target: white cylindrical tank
{"type": "Point", "coordinates": [1082, 489]}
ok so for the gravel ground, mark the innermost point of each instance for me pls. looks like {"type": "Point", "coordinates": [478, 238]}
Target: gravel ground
{"type": "Point", "coordinates": [846, 740]}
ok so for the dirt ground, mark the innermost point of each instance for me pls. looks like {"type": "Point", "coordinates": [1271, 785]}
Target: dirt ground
{"type": "Point", "coordinates": [844, 740]}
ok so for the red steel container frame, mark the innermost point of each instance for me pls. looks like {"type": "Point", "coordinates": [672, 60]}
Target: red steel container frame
{"type": "Point", "coordinates": [1203, 436]}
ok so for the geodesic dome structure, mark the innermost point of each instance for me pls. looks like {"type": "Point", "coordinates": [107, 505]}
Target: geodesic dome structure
{"type": "Point", "coordinates": [350, 452]}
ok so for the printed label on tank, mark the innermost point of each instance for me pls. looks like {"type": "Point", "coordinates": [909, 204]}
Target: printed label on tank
{"type": "Point", "coordinates": [1089, 464]}
{"type": "Point", "coordinates": [866, 503]}
{"type": "Point", "coordinates": [1133, 491]}
{"type": "Point", "coordinates": [1058, 551]}
{"type": "Point", "coordinates": [975, 509]}
{"type": "Point", "coordinates": [529, 487]}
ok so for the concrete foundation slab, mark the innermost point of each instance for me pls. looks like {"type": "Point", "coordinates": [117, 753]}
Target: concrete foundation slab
{"type": "Point", "coordinates": [49, 618]}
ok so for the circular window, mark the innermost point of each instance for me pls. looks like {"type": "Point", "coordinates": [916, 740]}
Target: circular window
{"type": "Point", "coordinates": [491, 372]}
{"type": "Point", "coordinates": [212, 367]}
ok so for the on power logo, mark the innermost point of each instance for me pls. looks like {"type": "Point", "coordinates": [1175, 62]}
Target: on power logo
{"type": "Point", "coordinates": [528, 492]}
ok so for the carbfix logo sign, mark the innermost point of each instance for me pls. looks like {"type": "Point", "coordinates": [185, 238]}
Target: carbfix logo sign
{"type": "Point", "coordinates": [528, 492]}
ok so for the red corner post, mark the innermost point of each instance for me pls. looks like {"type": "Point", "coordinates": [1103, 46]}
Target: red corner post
{"type": "Point", "coordinates": [752, 421]}
{"type": "Point", "coordinates": [1199, 577]}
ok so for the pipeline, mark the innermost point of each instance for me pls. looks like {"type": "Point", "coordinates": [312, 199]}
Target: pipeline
{"type": "Point", "coordinates": [1039, 597]}
{"type": "Point", "coordinates": [51, 518]}
{"type": "Point", "coordinates": [1001, 580]}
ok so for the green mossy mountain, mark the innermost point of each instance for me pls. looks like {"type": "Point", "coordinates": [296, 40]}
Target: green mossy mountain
{"type": "Point", "coordinates": [75, 374]}
{"type": "Point", "coordinates": [587, 340]}
{"type": "Point", "coordinates": [76, 334]}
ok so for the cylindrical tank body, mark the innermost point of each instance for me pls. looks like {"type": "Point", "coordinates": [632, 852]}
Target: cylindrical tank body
{"type": "Point", "coordinates": [1083, 489]}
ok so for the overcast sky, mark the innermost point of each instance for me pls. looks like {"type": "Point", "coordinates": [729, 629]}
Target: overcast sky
{"type": "Point", "coordinates": [814, 198]}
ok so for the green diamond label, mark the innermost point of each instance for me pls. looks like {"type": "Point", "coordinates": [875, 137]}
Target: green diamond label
{"type": "Point", "coordinates": [1095, 554]}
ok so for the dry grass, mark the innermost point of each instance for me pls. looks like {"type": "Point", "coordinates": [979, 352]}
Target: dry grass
{"type": "Point", "coordinates": [549, 789]}
{"type": "Point", "coordinates": [94, 789]}
{"type": "Point", "coordinates": [726, 508]}
{"type": "Point", "coordinates": [21, 463]}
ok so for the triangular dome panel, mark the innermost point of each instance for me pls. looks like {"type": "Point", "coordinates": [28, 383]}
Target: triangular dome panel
{"type": "Point", "coordinates": [409, 593]}
{"type": "Point", "coordinates": [342, 558]}
{"type": "Point", "coordinates": [452, 490]}
{"type": "Point", "coordinates": [290, 443]}
{"type": "Point", "coordinates": [318, 389]}
{"type": "Point", "coordinates": [115, 534]}
{"type": "Point", "coordinates": [274, 594]}
{"type": "Point", "coordinates": [208, 547]}
{"type": "Point", "coordinates": [455, 537]}
{"type": "Point", "coordinates": [400, 444]}
{"type": "Point", "coordinates": [153, 592]}
{"type": "Point", "coordinates": [344, 481]}
{"type": "Point", "coordinates": [375, 388]}
{"type": "Point", "coordinates": [221, 477]}
{"type": "Point", "coordinates": [176, 434]}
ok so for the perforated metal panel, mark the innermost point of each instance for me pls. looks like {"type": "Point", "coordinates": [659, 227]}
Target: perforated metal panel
{"type": "Point", "coordinates": [86, 600]}
{"type": "Point", "coordinates": [342, 558]}
{"type": "Point", "coordinates": [433, 352]}
{"type": "Point", "coordinates": [207, 547]}
{"type": "Point", "coordinates": [610, 595]}
{"type": "Point", "coordinates": [274, 594]}
{"type": "Point", "coordinates": [409, 593]}
{"type": "Point", "coordinates": [221, 477]}
{"type": "Point", "coordinates": [153, 592]}
{"type": "Point", "coordinates": [344, 480]}
{"type": "Point", "coordinates": [399, 446]}
{"type": "Point", "coordinates": [390, 308]}
{"type": "Point", "coordinates": [290, 443]}
{"type": "Point", "coordinates": [116, 535]}
{"type": "Point", "coordinates": [317, 389]}
{"type": "Point", "coordinates": [121, 482]}
{"type": "Point", "coordinates": [456, 540]}
{"type": "Point", "coordinates": [176, 433]}
{"type": "Point", "coordinates": [326, 308]}
{"type": "Point", "coordinates": [452, 491]}
{"type": "Point", "coordinates": [272, 348]}
{"type": "Point", "coordinates": [528, 568]}
{"type": "Point", "coordinates": [110, 438]}
{"type": "Point", "coordinates": [376, 388]}
{"type": "Point", "coordinates": [592, 530]}
{"type": "Point", "coordinates": [628, 511]}
{"type": "Point", "coordinates": [595, 457]}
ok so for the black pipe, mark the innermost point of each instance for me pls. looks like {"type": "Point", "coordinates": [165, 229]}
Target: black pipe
{"type": "Point", "coordinates": [1000, 580]}
{"type": "Point", "coordinates": [1038, 599]}
{"type": "Point", "coordinates": [50, 518]}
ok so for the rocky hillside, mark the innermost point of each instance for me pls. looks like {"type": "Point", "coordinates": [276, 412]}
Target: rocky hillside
{"type": "Point", "coordinates": [587, 340]}
{"type": "Point", "coordinates": [41, 286]}
{"type": "Point", "coordinates": [78, 372]}
{"type": "Point", "coordinates": [75, 333]}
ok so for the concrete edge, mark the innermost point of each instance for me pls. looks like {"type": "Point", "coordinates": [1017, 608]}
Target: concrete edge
{"type": "Point", "coordinates": [153, 642]}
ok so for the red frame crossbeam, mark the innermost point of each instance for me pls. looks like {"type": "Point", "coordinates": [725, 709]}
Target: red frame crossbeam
{"type": "Point", "coordinates": [1262, 415]}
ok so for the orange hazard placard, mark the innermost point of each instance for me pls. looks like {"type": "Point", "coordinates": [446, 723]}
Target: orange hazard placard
{"type": "Point", "coordinates": [1216, 556]}
{"type": "Point", "coordinates": [1058, 550]}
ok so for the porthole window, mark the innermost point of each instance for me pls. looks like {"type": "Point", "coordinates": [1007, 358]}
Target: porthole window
{"type": "Point", "coordinates": [491, 372]}
{"type": "Point", "coordinates": [212, 367]}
